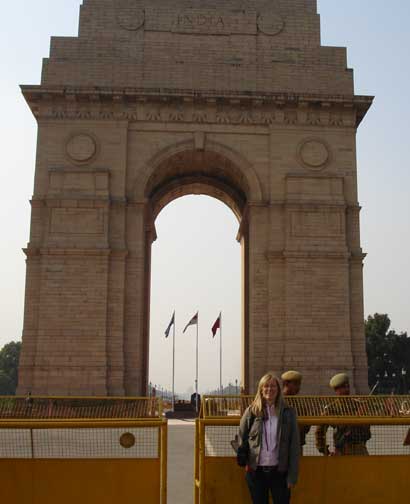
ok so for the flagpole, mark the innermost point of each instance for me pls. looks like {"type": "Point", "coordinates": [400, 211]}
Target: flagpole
{"type": "Point", "coordinates": [196, 380]}
{"type": "Point", "coordinates": [173, 366]}
{"type": "Point", "coordinates": [220, 352]}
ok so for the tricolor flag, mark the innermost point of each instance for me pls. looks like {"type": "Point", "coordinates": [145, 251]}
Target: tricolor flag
{"type": "Point", "coordinates": [171, 323]}
{"type": "Point", "coordinates": [193, 321]}
{"type": "Point", "coordinates": [216, 326]}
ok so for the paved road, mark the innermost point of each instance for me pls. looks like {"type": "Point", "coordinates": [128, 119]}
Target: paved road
{"type": "Point", "coordinates": [181, 439]}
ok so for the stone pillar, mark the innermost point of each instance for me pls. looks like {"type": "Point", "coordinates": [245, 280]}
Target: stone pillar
{"type": "Point", "coordinates": [115, 323]}
{"type": "Point", "coordinates": [360, 367]}
{"type": "Point", "coordinates": [68, 344]}
{"type": "Point", "coordinates": [258, 289]}
{"type": "Point", "coordinates": [31, 307]}
{"type": "Point", "coordinates": [137, 295]}
{"type": "Point", "coordinates": [318, 337]}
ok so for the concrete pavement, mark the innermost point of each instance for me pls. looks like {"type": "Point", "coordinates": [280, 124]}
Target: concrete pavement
{"type": "Point", "coordinates": [181, 441]}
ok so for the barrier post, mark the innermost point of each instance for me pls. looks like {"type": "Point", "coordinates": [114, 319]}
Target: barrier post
{"type": "Point", "coordinates": [201, 462]}
{"type": "Point", "coordinates": [196, 463]}
{"type": "Point", "coordinates": [164, 460]}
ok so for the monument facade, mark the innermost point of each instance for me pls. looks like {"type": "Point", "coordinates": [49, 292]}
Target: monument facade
{"type": "Point", "coordinates": [158, 99]}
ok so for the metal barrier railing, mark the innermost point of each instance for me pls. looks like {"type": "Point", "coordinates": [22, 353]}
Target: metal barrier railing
{"type": "Point", "coordinates": [315, 406]}
{"type": "Point", "coordinates": [378, 426]}
{"type": "Point", "coordinates": [100, 459]}
{"type": "Point", "coordinates": [38, 407]}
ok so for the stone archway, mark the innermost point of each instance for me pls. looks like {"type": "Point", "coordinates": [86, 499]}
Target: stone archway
{"type": "Point", "coordinates": [148, 104]}
{"type": "Point", "coordinates": [182, 170]}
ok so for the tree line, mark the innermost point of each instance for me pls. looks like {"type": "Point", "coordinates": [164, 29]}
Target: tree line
{"type": "Point", "coordinates": [388, 356]}
{"type": "Point", "coordinates": [9, 361]}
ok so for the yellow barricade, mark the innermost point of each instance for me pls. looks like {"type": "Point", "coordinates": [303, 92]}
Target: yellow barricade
{"type": "Point", "coordinates": [51, 452]}
{"type": "Point", "coordinates": [373, 469]}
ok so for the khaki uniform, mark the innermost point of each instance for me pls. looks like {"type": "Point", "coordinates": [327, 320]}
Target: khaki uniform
{"type": "Point", "coordinates": [303, 429]}
{"type": "Point", "coordinates": [347, 439]}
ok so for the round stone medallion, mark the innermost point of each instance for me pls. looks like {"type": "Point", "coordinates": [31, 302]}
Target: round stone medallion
{"type": "Point", "coordinates": [127, 440]}
{"type": "Point", "coordinates": [130, 16]}
{"type": "Point", "coordinates": [81, 147]}
{"type": "Point", "coordinates": [314, 153]}
{"type": "Point", "coordinates": [270, 23]}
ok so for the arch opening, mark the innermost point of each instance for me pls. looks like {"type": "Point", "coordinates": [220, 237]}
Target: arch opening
{"type": "Point", "coordinates": [211, 176]}
{"type": "Point", "coordinates": [195, 268]}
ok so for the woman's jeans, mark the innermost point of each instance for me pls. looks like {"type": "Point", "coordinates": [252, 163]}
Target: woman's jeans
{"type": "Point", "coordinates": [262, 481]}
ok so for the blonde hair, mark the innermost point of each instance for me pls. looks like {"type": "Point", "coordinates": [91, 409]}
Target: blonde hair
{"type": "Point", "coordinates": [258, 404]}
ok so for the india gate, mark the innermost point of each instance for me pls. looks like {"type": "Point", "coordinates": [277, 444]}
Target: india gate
{"type": "Point", "coordinates": [154, 100]}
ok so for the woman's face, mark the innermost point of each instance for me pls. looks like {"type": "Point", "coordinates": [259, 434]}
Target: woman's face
{"type": "Point", "coordinates": [270, 391]}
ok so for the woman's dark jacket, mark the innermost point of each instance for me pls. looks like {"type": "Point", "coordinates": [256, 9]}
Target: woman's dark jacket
{"type": "Point", "coordinates": [251, 431]}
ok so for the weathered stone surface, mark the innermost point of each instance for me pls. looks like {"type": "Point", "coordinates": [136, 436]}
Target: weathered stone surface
{"type": "Point", "coordinates": [154, 100]}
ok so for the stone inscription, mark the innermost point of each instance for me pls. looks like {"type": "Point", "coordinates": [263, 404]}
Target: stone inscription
{"type": "Point", "coordinates": [206, 21]}
{"type": "Point", "coordinates": [214, 22]}
{"type": "Point", "coordinates": [192, 22]}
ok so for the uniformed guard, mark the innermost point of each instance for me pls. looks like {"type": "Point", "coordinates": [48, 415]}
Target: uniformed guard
{"type": "Point", "coordinates": [348, 439]}
{"type": "Point", "coordinates": [291, 384]}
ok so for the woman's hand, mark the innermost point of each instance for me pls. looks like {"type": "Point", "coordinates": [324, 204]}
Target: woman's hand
{"type": "Point", "coordinates": [290, 486]}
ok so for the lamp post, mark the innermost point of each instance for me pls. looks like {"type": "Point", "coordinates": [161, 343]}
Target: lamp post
{"type": "Point", "coordinates": [404, 380]}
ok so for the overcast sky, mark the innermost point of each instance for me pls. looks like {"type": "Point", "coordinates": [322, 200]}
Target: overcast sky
{"type": "Point", "coordinates": [196, 260]}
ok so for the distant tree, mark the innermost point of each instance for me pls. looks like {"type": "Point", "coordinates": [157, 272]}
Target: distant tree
{"type": "Point", "coordinates": [6, 385]}
{"type": "Point", "coordinates": [9, 361]}
{"type": "Point", "coordinates": [388, 356]}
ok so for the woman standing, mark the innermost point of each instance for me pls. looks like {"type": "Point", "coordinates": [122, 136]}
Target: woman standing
{"type": "Point", "coordinates": [269, 433]}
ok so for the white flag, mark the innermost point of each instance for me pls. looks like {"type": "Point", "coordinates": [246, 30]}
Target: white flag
{"type": "Point", "coordinates": [193, 321]}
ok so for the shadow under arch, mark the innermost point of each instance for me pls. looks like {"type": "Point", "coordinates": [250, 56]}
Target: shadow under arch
{"type": "Point", "coordinates": [183, 170]}
{"type": "Point", "coordinates": [216, 161]}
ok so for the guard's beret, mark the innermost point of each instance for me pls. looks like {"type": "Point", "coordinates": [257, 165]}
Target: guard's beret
{"type": "Point", "coordinates": [292, 376]}
{"type": "Point", "coordinates": [339, 380]}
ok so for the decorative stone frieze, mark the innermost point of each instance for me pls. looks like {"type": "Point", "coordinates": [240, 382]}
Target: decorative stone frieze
{"type": "Point", "coordinates": [135, 106]}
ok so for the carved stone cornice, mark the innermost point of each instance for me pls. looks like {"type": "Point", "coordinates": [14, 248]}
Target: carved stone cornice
{"type": "Point", "coordinates": [78, 201]}
{"type": "Point", "coordinates": [118, 254]}
{"type": "Point", "coordinates": [36, 202]}
{"type": "Point", "coordinates": [118, 203]}
{"type": "Point", "coordinates": [31, 252]}
{"type": "Point", "coordinates": [273, 256]}
{"type": "Point", "coordinates": [315, 205]}
{"type": "Point", "coordinates": [36, 252]}
{"type": "Point", "coordinates": [196, 107]}
{"type": "Point", "coordinates": [354, 209]}
{"type": "Point", "coordinates": [317, 254]}
{"type": "Point", "coordinates": [357, 257]}
{"type": "Point", "coordinates": [75, 252]}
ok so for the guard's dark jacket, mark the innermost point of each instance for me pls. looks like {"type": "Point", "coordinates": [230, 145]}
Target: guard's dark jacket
{"type": "Point", "coordinates": [288, 440]}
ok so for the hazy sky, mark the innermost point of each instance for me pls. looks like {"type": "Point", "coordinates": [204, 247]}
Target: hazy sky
{"type": "Point", "coordinates": [196, 260]}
